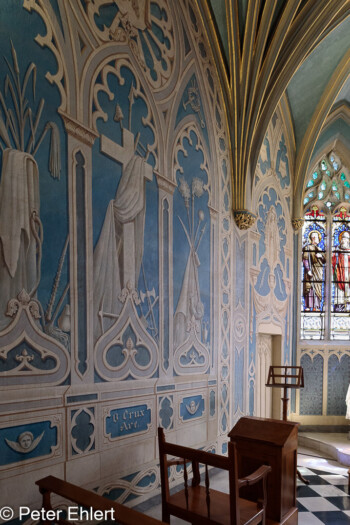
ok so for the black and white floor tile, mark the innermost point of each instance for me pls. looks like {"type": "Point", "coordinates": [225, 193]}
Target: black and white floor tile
{"type": "Point", "coordinates": [325, 500]}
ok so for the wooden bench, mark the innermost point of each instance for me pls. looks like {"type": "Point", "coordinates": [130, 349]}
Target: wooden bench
{"type": "Point", "coordinates": [87, 500]}
{"type": "Point", "coordinates": [200, 504]}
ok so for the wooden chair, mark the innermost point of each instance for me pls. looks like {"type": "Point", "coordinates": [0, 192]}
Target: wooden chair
{"type": "Point", "coordinates": [200, 504]}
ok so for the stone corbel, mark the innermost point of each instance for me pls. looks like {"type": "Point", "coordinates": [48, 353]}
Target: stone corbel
{"type": "Point", "coordinates": [297, 223]}
{"type": "Point", "coordinates": [244, 219]}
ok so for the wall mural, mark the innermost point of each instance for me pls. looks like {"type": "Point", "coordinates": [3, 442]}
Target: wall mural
{"type": "Point", "coordinates": [114, 205]}
{"type": "Point", "coordinates": [123, 289]}
{"type": "Point", "coordinates": [118, 252]}
{"type": "Point", "coordinates": [34, 285]}
{"type": "Point", "coordinates": [23, 130]}
{"type": "Point", "coordinates": [271, 241]}
{"type": "Point", "coordinates": [191, 293]}
{"type": "Point", "coordinates": [147, 28]}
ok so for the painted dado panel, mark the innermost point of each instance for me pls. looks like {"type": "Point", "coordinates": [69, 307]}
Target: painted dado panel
{"type": "Point", "coordinates": [116, 243]}
{"type": "Point", "coordinates": [326, 372]}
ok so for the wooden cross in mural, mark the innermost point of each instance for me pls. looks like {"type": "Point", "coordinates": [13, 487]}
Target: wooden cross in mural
{"type": "Point", "coordinates": [123, 154]}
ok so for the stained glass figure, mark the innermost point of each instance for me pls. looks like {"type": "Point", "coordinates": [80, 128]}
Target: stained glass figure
{"type": "Point", "coordinates": [313, 275]}
{"type": "Point", "coordinates": [341, 269]}
{"type": "Point", "coordinates": [313, 262]}
{"type": "Point", "coordinates": [340, 296]}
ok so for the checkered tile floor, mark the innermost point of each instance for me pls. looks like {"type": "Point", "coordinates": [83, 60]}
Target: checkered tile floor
{"type": "Point", "coordinates": [324, 500]}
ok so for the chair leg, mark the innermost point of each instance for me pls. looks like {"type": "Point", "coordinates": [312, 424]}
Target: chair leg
{"type": "Point", "coordinates": [165, 516]}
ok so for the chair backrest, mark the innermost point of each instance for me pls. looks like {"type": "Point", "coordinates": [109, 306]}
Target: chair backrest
{"type": "Point", "coordinates": [188, 455]}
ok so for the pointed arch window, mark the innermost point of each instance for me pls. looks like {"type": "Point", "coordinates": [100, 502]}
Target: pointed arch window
{"type": "Point", "coordinates": [325, 265]}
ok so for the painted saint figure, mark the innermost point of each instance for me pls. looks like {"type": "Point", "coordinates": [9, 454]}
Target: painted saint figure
{"type": "Point", "coordinates": [341, 273]}
{"type": "Point", "coordinates": [313, 262]}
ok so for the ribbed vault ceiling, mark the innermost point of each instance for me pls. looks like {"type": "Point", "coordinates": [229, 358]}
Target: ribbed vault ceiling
{"type": "Point", "coordinates": [269, 49]}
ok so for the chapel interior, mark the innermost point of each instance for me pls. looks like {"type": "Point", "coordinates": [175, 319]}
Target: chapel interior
{"type": "Point", "coordinates": [174, 221]}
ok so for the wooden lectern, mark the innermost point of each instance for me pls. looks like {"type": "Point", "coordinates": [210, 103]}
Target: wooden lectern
{"type": "Point", "coordinates": [271, 442]}
{"type": "Point", "coordinates": [285, 377]}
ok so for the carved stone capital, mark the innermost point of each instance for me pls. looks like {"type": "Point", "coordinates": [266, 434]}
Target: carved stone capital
{"type": "Point", "coordinates": [297, 223]}
{"type": "Point", "coordinates": [78, 130]}
{"type": "Point", "coordinates": [244, 219]}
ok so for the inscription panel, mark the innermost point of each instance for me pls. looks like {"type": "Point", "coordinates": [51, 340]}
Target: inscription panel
{"type": "Point", "coordinates": [129, 420]}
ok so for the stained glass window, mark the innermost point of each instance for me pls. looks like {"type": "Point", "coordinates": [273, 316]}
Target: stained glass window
{"type": "Point", "coordinates": [340, 304]}
{"type": "Point", "coordinates": [325, 265]}
{"type": "Point", "coordinates": [313, 275]}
